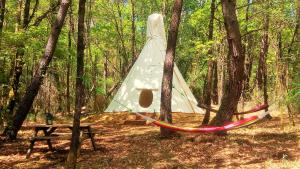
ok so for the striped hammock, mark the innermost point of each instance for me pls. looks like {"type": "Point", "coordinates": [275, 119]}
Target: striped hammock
{"type": "Point", "coordinates": [229, 126]}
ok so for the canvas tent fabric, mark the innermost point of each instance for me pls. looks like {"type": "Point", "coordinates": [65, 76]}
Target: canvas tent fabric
{"type": "Point", "coordinates": [141, 89]}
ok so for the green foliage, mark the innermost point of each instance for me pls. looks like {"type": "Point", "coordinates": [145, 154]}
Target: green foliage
{"type": "Point", "coordinates": [109, 39]}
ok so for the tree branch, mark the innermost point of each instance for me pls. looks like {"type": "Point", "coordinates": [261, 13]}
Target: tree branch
{"type": "Point", "coordinates": [252, 31]}
{"type": "Point", "coordinates": [37, 2]}
{"type": "Point", "coordinates": [44, 15]}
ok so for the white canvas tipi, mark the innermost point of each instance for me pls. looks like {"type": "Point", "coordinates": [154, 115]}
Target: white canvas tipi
{"type": "Point", "coordinates": [141, 89]}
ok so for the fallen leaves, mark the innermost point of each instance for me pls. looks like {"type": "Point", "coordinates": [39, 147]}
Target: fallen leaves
{"type": "Point", "coordinates": [123, 146]}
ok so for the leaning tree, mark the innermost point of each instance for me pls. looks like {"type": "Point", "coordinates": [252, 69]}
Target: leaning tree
{"type": "Point", "coordinates": [235, 65]}
{"type": "Point", "coordinates": [33, 88]}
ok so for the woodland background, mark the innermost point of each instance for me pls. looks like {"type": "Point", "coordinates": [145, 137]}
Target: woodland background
{"type": "Point", "coordinates": [115, 35]}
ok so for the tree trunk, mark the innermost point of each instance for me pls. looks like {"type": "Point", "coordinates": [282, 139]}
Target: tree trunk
{"type": "Point", "coordinates": [166, 92]}
{"type": "Point", "coordinates": [14, 94]}
{"type": "Point", "coordinates": [58, 84]}
{"type": "Point", "coordinates": [75, 142]}
{"type": "Point", "coordinates": [215, 81]}
{"type": "Point", "coordinates": [105, 73]}
{"type": "Point", "coordinates": [39, 74]}
{"type": "Point", "coordinates": [17, 67]}
{"type": "Point", "coordinates": [26, 18]}
{"type": "Point", "coordinates": [235, 65]}
{"type": "Point", "coordinates": [248, 57]}
{"type": "Point", "coordinates": [262, 65]}
{"type": "Point", "coordinates": [68, 73]}
{"type": "Point", "coordinates": [71, 30]}
{"type": "Point", "coordinates": [296, 33]}
{"type": "Point", "coordinates": [208, 85]}
{"type": "Point", "coordinates": [282, 75]}
{"type": "Point", "coordinates": [134, 57]}
{"type": "Point", "coordinates": [2, 14]}
{"type": "Point", "coordinates": [19, 14]}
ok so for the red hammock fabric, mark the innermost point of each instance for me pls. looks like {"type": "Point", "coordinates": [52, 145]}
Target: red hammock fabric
{"type": "Point", "coordinates": [228, 126]}
{"type": "Point", "coordinates": [255, 109]}
{"type": "Point", "coordinates": [210, 129]}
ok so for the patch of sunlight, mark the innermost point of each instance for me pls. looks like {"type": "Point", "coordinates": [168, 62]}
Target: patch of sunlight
{"type": "Point", "coordinates": [282, 164]}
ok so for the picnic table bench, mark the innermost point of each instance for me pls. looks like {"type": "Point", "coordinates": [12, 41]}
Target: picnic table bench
{"type": "Point", "coordinates": [50, 134]}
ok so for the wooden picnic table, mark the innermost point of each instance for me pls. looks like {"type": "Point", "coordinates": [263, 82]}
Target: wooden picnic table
{"type": "Point", "coordinates": [50, 134]}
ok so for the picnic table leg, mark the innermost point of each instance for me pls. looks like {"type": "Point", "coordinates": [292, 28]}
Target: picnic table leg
{"type": "Point", "coordinates": [80, 143]}
{"type": "Point", "coordinates": [48, 141]}
{"type": "Point", "coordinates": [29, 151]}
{"type": "Point", "coordinates": [91, 136]}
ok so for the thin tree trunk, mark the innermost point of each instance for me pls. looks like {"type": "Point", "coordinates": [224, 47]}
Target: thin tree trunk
{"type": "Point", "coordinates": [285, 64]}
{"type": "Point", "coordinates": [166, 92]}
{"type": "Point", "coordinates": [18, 66]}
{"type": "Point", "coordinates": [208, 85]}
{"type": "Point", "coordinates": [19, 14]}
{"type": "Point", "coordinates": [215, 81]}
{"type": "Point", "coordinates": [2, 14]}
{"type": "Point", "coordinates": [36, 5]}
{"type": "Point", "coordinates": [75, 141]}
{"type": "Point", "coordinates": [68, 72]}
{"type": "Point", "coordinates": [26, 13]}
{"type": "Point", "coordinates": [133, 48]}
{"type": "Point", "coordinates": [71, 30]}
{"type": "Point", "coordinates": [95, 77]}
{"type": "Point", "coordinates": [105, 73]}
{"type": "Point", "coordinates": [58, 84]}
{"type": "Point", "coordinates": [124, 63]}
{"type": "Point", "coordinates": [16, 71]}
{"type": "Point", "coordinates": [248, 57]}
{"type": "Point", "coordinates": [296, 34]}
{"type": "Point", "coordinates": [262, 65]}
{"type": "Point", "coordinates": [36, 82]}
{"type": "Point", "coordinates": [235, 65]}
{"type": "Point", "coordinates": [282, 78]}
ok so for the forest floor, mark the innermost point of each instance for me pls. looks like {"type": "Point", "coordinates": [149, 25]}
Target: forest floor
{"type": "Point", "coordinates": [272, 144]}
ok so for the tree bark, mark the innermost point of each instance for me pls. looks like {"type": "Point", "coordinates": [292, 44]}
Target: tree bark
{"type": "Point", "coordinates": [248, 57]}
{"type": "Point", "coordinates": [16, 70]}
{"type": "Point", "coordinates": [296, 33]}
{"type": "Point", "coordinates": [39, 74]}
{"type": "Point", "coordinates": [14, 94]}
{"type": "Point", "coordinates": [2, 14]}
{"type": "Point", "coordinates": [134, 56]}
{"type": "Point", "coordinates": [215, 81]}
{"type": "Point", "coordinates": [36, 5]}
{"type": "Point", "coordinates": [263, 54]}
{"type": "Point", "coordinates": [262, 65]}
{"type": "Point", "coordinates": [19, 14]}
{"type": "Point", "coordinates": [71, 30]}
{"type": "Point", "coordinates": [166, 92]}
{"type": "Point", "coordinates": [209, 83]}
{"type": "Point", "coordinates": [105, 73]}
{"type": "Point", "coordinates": [26, 17]}
{"type": "Point", "coordinates": [68, 73]}
{"type": "Point", "coordinates": [75, 142]}
{"type": "Point", "coordinates": [235, 65]}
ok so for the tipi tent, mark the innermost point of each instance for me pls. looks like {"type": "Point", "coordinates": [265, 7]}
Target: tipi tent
{"type": "Point", "coordinates": [141, 89]}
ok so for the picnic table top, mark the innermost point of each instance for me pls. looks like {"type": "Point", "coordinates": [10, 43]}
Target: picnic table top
{"type": "Point", "coordinates": [59, 125]}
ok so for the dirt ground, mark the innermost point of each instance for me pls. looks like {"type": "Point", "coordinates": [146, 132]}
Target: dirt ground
{"type": "Point", "coordinates": [273, 144]}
